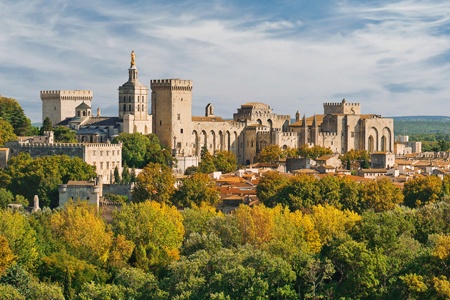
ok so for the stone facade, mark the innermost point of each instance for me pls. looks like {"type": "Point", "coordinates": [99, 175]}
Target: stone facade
{"type": "Point", "coordinates": [103, 156]}
{"type": "Point", "coordinates": [342, 127]}
{"type": "Point", "coordinates": [61, 104]}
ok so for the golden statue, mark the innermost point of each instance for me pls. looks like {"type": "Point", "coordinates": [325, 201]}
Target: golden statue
{"type": "Point", "coordinates": [133, 57]}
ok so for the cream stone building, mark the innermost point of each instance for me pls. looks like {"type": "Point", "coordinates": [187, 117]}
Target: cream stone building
{"type": "Point", "coordinates": [341, 127]}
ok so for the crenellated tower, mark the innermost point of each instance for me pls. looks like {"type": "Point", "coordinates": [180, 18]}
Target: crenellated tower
{"type": "Point", "coordinates": [172, 113]}
{"type": "Point", "coordinates": [133, 95]}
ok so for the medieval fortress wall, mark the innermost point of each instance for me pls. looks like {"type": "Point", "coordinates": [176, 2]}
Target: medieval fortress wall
{"type": "Point", "coordinates": [341, 127]}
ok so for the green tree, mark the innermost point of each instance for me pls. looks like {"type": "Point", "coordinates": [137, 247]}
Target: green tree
{"type": "Point", "coordinates": [117, 178]}
{"type": "Point", "coordinates": [313, 152]}
{"type": "Point", "coordinates": [196, 189]}
{"type": "Point", "coordinates": [138, 150]}
{"type": "Point", "coordinates": [270, 154]}
{"type": "Point", "coordinates": [207, 164]}
{"type": "Point", "coordinates": [8, 292]}
{"type": "Point", "coordinates": [43, 175]}
{"type": "Point", "coordinates": [64, 134]}
{"type": "Point", "coordinates": [46, 126]}
{"type": "Point", "coordinates": [156, 230]}
{"type": "Point", "coordinates": [59, 265]}
{"type": "Point", "coordinates": [242, 273]}
{"type": "Point", "coordinates": [301, 192]}
{"type": "Point", "coordinates": [269, 186]}
{"type": "Point", "coordinates": [138, 284]}
{"type": "Point", "coordinates": [6, 132]}
{"type": "Point", "coordinates": [11, 111]}
{"type": "Point", "coordinates": [155, 182]}
{"type": "Point", "coordinates": [225, 161]}
{"type": "Point", "coordinates": [6, 197]}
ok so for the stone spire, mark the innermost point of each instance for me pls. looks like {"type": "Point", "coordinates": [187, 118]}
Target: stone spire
{"type": "Point", "coordinates": [314, 123]}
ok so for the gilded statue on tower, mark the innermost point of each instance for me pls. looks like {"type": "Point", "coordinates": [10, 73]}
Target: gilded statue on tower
{"type": "Point", "coordinates": [133, 57]}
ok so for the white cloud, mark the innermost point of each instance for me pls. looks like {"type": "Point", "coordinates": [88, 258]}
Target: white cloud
{"type": "Point", "coordinates": [389, 57]}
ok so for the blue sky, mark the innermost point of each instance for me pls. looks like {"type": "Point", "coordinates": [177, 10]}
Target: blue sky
{"type": "Point", "coordinates": [391, 56]}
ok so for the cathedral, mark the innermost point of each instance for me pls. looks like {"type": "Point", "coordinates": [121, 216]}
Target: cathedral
{"type": "Point", "coordinates": [341, 127]}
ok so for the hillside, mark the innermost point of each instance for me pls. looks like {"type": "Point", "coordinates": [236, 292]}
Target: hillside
{"type": "Point", "coordinates": [421, 125]}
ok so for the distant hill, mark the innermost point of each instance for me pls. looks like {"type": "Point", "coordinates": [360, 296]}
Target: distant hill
{"type": "Point", "coordinates": [421, 125]}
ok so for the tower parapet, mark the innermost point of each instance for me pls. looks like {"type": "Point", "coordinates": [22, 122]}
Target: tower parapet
{"type": "Point", "coordinates": [342, 108]}
{"type": "Point", "coordinates": [174, 84]}
{"type": "Point", "coordinates": [58, 105]}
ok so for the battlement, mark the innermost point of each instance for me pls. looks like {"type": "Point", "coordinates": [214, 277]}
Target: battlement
{"type": "Point", "coordinates": [67, 95]}
{"type": "Point", "coordinates": [340, 104]}
{"type": "Point", "coordinates": [328, 133]}
{"type": "Point", "coordinates": [342, 108]}
{"type": "Point", "coordinates": [171, 84]}
{"type": "Point", "coordinates": [289, 134]}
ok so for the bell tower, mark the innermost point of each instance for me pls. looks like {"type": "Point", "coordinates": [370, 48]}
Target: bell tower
{"type": "Point", "coordinates": [133, 95]}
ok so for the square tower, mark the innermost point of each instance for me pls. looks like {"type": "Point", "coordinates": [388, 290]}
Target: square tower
{"type": "Point", "coordinates": [172, 113]}
{"type": "Point", "coordinates": [61, 104]}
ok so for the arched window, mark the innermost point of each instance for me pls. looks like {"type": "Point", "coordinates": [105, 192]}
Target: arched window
{"type": "Point", "coordinates": [142, 107]}
{"type": "Point", "coordinates": [124, 107]}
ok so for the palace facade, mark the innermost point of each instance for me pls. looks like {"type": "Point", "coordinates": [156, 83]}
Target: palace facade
{"type": "Point", "coordinates": [341, 127]}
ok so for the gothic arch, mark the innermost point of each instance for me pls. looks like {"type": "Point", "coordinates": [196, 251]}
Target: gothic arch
{"type": "Point", "coordinates": [259, 121]}
{"type": "Point", "coordinates": [213, 136]}
{"type": "Point", "coordinates": [373, 140]}
{"type": "Point", "coordinates": [221, 141]}
{"type": "Point", "coordinates": [386, 139]}
{"type": "Point", "coordinates": [228, 140]}
{"type": "Point", "coordinates": [204, 139]}
{"type": "Point", "coordinates": [196, 143]}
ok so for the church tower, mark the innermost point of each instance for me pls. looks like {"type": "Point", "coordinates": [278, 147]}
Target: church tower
{"type": "Point", "coordinates": [133, 95]}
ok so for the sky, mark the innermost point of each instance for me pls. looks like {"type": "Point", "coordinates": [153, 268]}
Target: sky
{"type": "Point", "coordinates": [393, 57]}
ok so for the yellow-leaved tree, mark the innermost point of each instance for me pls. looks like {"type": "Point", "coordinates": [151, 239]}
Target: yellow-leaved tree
{"type": "Point", "coordinates": [330, 221]}
{"type": "Point", "coordinates": [83, 231]}
{"type": "Point", "coordinates": [155, 228]}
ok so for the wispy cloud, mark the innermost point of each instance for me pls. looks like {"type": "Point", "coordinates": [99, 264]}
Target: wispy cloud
{"type": "Point", "coordinates": [389, 56]}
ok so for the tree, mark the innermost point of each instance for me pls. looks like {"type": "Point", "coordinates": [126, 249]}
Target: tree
{"type": "Point", "coordinates": [46, 126]}
{"type": "Point", "coordinates": [422, 190]}
{"type": "Point", "coordinates": [155, 228]}
{"type": "Point", "coordinates": [242, 273]}
{"type": "Point", "coordinates": [21, 238]}
{"type": "Point", "coordinates": [225, 161]}
{"type": "Point", "coordinates": [196, 219]}
{"type": "Point", "coordinates": [6, 197]}
{"type": "Point", "coordinates": [7, 257]}
{"type": "Point", "coordinates": [11, 111]}
{"type": "Point", "coordinates": [64, 134]}
{"type": "Point", "coordinates": [196, 190]}
{"type": "Point", "coordinates": [156, 183]}
{"type": "Point", "coordinates": [138, 284]}
{"type": "Point", "coordinates": [117, 178]}
{"type": "Point", "coordinates": [43, 175]}
{"type": "Point", "coordinates": [380, 195]}
{"type": "Point", "coordinates": [269, 186]}
{"type": "Point", "coordinates": [8, 292]}
{"type": "Point", "coordinates": [138, 150]}
{"type": "Point", "coordinates": [270, 154]}
{"type": "Point", "coordinates": [83, 231]}
{"type": "Point", "coordinates": [301, 192]}
{"type": "Point", "coordinates": [207, 164]}
{"type": "Point", "coordinates": [6, 132]}
{"type": "Point", "coordinates": [314, 151]}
